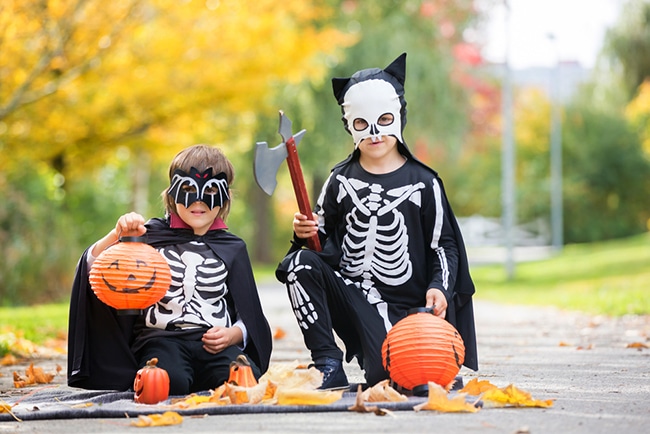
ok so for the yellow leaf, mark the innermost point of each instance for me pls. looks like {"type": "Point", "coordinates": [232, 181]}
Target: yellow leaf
{"type": "Point", "coordinates": [438, 400]}
{"type": "Point", "coordinates": [6, 408]}
{"type": "Point", "coordinates": [475, 387]}
{"type": "Point", "coordinates": [307, 397]}
{"type": "Point", "coordinates": [510, 396]}
{"type": "Point", "coordinates": [167, 418]}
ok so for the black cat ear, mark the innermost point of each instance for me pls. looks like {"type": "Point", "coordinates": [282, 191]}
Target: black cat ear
{"type": "Point", "coordinates": [338, 85]}
{"type": "Point", "coordinates": [398, 68]}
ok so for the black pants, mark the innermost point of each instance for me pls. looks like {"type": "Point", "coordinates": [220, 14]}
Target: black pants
{"type": "Point", "coordinates": [323, 304]}
{"type": "Point", "coordinates": [190, 367]}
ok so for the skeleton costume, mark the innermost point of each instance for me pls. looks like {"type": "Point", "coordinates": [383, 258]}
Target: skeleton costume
{"type": "Point", "coordinates": [212, 285]}
{"type": "Point", "coordinates": [387, 238]}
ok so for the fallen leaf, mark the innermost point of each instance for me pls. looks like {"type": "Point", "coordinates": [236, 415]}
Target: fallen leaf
{"type": "Point", "coordinates": [8, 359]}
{"type": "Point", "coordinates": [359, 404]}
{"type": "Point", "coordinates": [438, 400]}
{"type": "Point", "coordinates": [564, 344]}
{"type": "Point", "coordinates": [6, 408]}
{"type": "Point", "coordinates": [510, 396]}
{"type": "Point", "coordinates": [293, 375]}
{"type": "Point", "coordinates": [33, 375]}
{"type": "Point", "coordinates": [191, 401]}
{"type": "Point", "coordinates": [167, 418]}
{"type": "Point", "coordinates": [307, 397]}
{"type": "Point", "coordinates": [279, 333]}
{"type": "Point", "coordinates": [476, 387]}
{"type": "Point", "coordinates": [382, 391]}
{"type": "Point", "coordinates": [246, 395]}
{"type": "Point", "coordinates": [639, 345]}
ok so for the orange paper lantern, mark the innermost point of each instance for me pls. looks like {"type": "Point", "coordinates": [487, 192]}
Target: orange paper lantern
{"type": "Point", "coordinates": [130, 276]}
{"type": "Point", "coordinates": [421, 348]}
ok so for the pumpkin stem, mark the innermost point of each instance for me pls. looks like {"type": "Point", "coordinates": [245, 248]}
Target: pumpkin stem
{"type": "Point", "coordinates": [152, 362]}
{"type": "Point", "coordinates": [241, 360]}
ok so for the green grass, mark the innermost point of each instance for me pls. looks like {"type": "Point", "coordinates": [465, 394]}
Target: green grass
{"type": "Point", "coordinates": [611, 278]}
{"type": "Point", "coordinates": [34, 323]}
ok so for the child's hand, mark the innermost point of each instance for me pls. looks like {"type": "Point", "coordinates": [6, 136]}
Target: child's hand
{"type": "Point", "coordinates": [219, 338]}
{"type": "Point", "coordinates": [437, 299]}
{"type": "Point", "coordinates": [130, 225]}
{"type": "Point", "coordinates": [303, 227]}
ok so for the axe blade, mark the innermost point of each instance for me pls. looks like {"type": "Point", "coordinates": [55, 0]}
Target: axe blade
{"type": "Point", "coordinates": [266, 165]}
{"type": "Point", "coordinates": [285, 127]}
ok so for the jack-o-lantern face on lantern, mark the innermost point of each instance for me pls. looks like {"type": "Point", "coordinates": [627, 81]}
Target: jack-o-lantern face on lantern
{"type": "Point", "coordinates": [130, 276]}
{"type": "Point", "coordinates": [141, 276]}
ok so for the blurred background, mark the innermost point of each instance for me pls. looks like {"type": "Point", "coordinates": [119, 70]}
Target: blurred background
{"type": "Point", "coordinates": [535, 113]}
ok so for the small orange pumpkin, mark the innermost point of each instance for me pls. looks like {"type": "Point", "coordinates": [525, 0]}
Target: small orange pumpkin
{"type": "Point", "coordinates": [241, 372]}
{"type": "Point", "coordinates": [130, 276]}
{"type": "Point", "coordinates": [151, 384]}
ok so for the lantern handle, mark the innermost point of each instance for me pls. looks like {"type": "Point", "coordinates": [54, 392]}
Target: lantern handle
{"type": "Point", "coordinates": [132, 239]}
{"type": "Point", "coordinates": [421, 310]}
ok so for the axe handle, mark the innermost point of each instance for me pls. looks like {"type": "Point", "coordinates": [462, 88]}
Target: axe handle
{"type": "Point", "coordinates": [300, 189]}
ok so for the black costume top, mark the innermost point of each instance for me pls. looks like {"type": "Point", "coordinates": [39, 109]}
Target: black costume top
{"type": "Point", "coordinates": [397, 233]}
{"type": "Point", "coordinates": [99, 339]}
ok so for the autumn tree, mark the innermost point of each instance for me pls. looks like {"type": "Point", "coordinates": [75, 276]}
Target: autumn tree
{"type": "Point", "coordinates": [89, 85]}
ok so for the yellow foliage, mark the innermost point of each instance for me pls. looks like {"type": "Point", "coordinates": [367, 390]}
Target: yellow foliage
{"type": "Point", "coordinates": [152, 74]}
{"type": "Point", "coordinates": [438, 400]}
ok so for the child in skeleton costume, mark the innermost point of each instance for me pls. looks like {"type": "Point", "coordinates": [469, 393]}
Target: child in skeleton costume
{"type": "Point", "coordinates": [211, 312]}
{"type": "Point", "coordinates": [390, 239]}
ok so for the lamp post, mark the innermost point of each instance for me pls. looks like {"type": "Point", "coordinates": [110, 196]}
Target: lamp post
{"type": "Point", "coordinates": [557, 225]}
{"type": "Point", "coordinates": [508, 156]}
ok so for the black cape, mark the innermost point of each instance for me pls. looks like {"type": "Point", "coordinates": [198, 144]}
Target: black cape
{"type": "Point", "coordinates": [99, 339]}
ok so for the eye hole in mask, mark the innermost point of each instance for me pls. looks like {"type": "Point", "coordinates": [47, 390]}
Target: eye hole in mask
{"type": "Point", "coordinates": [384, 120]}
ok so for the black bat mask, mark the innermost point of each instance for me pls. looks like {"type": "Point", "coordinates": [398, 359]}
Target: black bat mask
{"type": "Point", "coordinates": [186, 188]}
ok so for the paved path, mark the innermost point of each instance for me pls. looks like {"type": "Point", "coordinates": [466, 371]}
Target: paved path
{"type": "Point", "coordinates": [581, 362]}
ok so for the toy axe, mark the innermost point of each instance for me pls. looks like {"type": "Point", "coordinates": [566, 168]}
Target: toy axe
{"type": "Point", "coordinates": [268, 161]}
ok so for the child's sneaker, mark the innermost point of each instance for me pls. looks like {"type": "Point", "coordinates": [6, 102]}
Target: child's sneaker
{"type": "Point", "coordinates": [334, 377]}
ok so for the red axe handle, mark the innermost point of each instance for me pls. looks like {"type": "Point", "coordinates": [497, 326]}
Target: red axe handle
{"type": "Point", "coordinates": [299, 188]}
